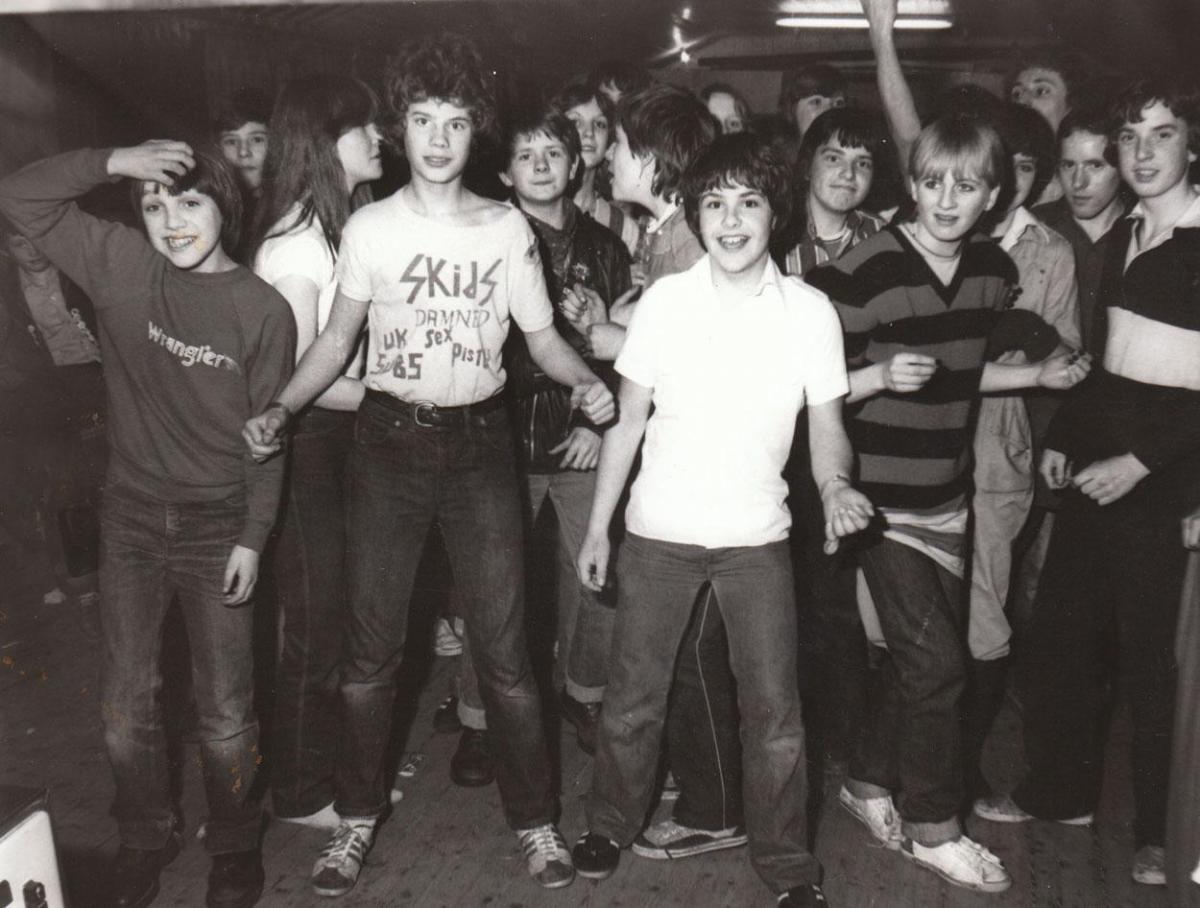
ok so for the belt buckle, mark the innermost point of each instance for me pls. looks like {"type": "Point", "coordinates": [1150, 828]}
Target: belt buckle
{"type": "Point", "coordinates": [429, 408]}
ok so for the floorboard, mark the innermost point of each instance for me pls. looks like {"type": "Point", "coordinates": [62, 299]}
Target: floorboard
{"type": "Point", "coordinates": [449, 846]}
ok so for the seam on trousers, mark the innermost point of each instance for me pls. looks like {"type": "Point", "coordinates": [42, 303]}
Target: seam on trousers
{"type": "Point", "coordinates": [712, 726]}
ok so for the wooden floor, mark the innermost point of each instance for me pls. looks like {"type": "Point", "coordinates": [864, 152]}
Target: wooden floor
{"type": "Point", "coordinates": [449, 846]}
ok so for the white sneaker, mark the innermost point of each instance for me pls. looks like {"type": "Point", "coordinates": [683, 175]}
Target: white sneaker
{"type": "Point", "coordinates": [546, 856]}
{"type": "Point", "coordinates": [961, 862]}
{"type": "Point", "coordinates": [877, 814]}
{"type": "Point", "coordinates": [336, 870]}
{"type": "Point", "coordinates": [445, 641]}
{"type": "Point", "coordinates": [1150, 866]}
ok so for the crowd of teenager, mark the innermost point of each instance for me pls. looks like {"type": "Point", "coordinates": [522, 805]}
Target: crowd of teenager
{"type": "Point", "coordinates": [859, 405]}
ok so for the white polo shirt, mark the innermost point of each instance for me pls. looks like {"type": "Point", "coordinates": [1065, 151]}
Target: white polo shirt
{"type": "Point", "coordinates": [728, 381]}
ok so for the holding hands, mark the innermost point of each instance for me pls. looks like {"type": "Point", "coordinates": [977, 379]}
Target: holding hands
{"type": "Point", "coordinates": [1104, 481]}
{"type": "Point", "coordinates": [847, 510]}
{"type": "Point", "coordinates": [595, 400]}
{"type": "Point", "coordinates": [1059, 373]}
{"type": "Point", "coordinates": [264, 433]}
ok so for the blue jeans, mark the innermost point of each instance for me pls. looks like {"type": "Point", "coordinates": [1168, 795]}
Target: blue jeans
{"type": "Point", "coordinates": [911, 745]}
{"type": "Point", "coordinates": [403, 477]}
{"type": "Point", "coordinates": [657, 584]}
{"type": "Point", "coordinates": [310, 579]}
{"type": "Point", "coordinates": [151, 551]}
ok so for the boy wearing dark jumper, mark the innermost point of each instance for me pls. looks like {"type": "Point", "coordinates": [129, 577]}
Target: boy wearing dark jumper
{"type": "Point", "coordinates": [192, 344]}
{"type": "Point", "coordinates": [1126, 447]}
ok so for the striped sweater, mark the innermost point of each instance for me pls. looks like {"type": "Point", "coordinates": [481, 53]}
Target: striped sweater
{"type": "Point", "coordinates": [914, 450]}
{"type": "Point", "coordinates": [1146, 398]}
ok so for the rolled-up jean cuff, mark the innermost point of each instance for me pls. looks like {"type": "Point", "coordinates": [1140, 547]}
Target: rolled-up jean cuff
{"type": "Point", "coordinates": [472, 717]}
{"type": "Point", "coordinates": [866, 790]}
{"type": "Point", "coordinates": [584, 694]}
{"type": "Point", "coordinates": [932, 834]}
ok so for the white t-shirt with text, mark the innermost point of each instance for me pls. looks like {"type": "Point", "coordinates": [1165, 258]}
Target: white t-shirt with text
{"type": "Point", "coordinates": [441, 299]}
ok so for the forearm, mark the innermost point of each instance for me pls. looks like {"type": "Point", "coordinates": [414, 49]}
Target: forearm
{"type": "Point", "coordinates": [344, 394]}
{"type": "Point", "coordinates": [617, 452]}
{"type": "Point", "coordinates": [898, 105]}
{"type": "Point", "coordinates": [35, 197]}
{"type": "Point", "coordinates": [1005, 377]}
{"type": "Point", "coordinates": [556, 358]}
{"type": "Point", "coordinates": [830, 451]}
{"type": "Point", "coordinates": [264, 485]}
{"type": "Point", "coordinates": [865, 382]}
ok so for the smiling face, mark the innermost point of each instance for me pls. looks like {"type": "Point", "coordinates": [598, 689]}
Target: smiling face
{"type": "Point", "coordinates": [1153, 153]}
{"type": "Point", "coordinates": [1089, 182]}
{"type": "Point", "coordinates": [723, 106]}
{"type": "Point", "coordinates": [735, 227]}
{"type": "Point", "coordinates": [1043, 90]}
{"type": "Point", "coordinates": [246, 149]}
{"type": "Point", "coordinates": [358, 152]}
{"type": "Point", "coordinates": [594, 132]}
{"type": "Point", "coordinates": [539, 169]}
{"type": "Point", "coordinates": [840, 177]}
{"type": "Point", "coordinates": [632, 177]}
{"type": "Point", "coordinates": [948, 206]}
{"type": "Point", "coordinates": [809, 108]}
{"type": "Point", "coordinates": [437, 140]}
{"type": "Point", "coordinates": [186, 228]}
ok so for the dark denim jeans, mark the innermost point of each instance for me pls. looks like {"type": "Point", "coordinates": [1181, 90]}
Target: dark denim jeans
{"type": "Point", "coordinates": [703, 750]}
{"type": "Point", "coordinates": [911, 746]}
{"type": "Point", "coordinates": [584, 619]}
{"type": "Point", "coordinates": [402, 478]}
{"type": "Point", "coordinates": [1110, 588]}
{"type": "Point", "coordinates": [310, 581]}
{"type": "Point", "coordinates": [151, 551]}
{"type": "Point", "coordinates": [657, 587]}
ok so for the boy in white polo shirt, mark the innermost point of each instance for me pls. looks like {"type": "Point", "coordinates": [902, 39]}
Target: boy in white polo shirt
{"type": "Point", "coordinates": [728, 352]}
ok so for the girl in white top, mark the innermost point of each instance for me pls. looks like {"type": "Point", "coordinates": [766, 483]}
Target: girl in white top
{"type": "Point", "coordinates": [324, 151]}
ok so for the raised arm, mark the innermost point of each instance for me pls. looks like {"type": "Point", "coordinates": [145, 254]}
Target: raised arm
{"type": "Point", "coordinates": [897, 98]}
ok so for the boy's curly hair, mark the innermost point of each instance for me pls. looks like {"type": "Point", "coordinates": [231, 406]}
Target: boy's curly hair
{"type": "Point", "coordinates": [447, 67]}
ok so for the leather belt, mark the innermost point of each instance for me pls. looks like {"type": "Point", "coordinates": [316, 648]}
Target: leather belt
{"type": "Point", "coordinates": [431, 416]}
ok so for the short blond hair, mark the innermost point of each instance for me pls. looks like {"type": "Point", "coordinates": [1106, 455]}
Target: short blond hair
{"type": "Point", "coordinates": [962, 145]}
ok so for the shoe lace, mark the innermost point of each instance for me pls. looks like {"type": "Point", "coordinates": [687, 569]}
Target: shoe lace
{"type": "Point", "coordinates": [544, 840]}
{"type": "Point", "coordinates": [981, 854]}
{"type": "Point", "coordinates": [346, 845]}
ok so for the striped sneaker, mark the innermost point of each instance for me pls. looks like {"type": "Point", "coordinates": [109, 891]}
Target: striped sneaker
{"type": "Point", "coordinates": [669, 840]}
{"type": "Point", "coordinates": [336, 870]}
{"type": "Point", "coordinates": [546, 856]}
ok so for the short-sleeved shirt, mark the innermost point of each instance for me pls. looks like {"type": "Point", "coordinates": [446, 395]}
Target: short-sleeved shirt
{"type": "Point", "coordinates": [728, 381]}
{"type": "Point", "coordinates": [442, 297]}
{"type": "Point", "coordinates": [298, 248]}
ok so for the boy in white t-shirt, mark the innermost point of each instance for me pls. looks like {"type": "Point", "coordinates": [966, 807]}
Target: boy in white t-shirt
{"type": "Point", "coordinates": [441, 273]}
{"type": "Point", "coordinates": [728, 353]}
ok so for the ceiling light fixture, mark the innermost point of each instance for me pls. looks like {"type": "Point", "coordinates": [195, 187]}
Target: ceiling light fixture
{"type": "Point", "coordinates": [848, 14]}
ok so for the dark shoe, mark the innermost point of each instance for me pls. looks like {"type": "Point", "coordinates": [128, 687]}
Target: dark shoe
{"type": "Point", "coordinates": [236, 879]}
{"type": "Point", "coordinates": [668, 840]}
{"type": "Point", "coordinates": [472, 765]}
{"type": "Point", "coordinates": [595, 856]}
{"type": "Point", "coordinates": [445, 717]}
{"type": "Point", "coordinates": [135, 872]}
{"type": "Point", "coordinates": [584, 716]}
{"type": "Point", "coordinates": [803, 897]}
